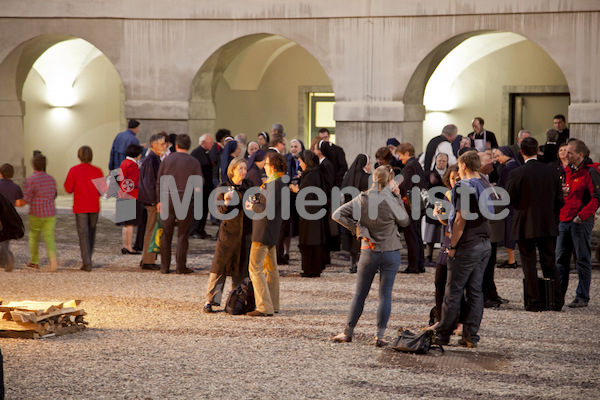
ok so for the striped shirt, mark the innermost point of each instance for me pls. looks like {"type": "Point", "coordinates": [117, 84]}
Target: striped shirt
{"type": "Point", "coordinates": [39, 193]}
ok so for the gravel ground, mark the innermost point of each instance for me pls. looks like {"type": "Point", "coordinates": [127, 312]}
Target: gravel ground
{"type": "Point", "coordinates": [148, 339]}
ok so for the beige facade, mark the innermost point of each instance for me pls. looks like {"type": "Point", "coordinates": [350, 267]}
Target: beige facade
{"type": "Point", "coordinates": [197, 66]}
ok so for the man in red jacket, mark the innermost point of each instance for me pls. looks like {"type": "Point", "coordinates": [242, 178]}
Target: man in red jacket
{"type": "Point", "coordinates": [582, 197]}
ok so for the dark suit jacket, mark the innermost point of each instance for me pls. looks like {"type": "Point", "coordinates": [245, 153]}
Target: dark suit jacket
{"type": "Point", "coordinates": [328, 172]}
{"type": "Point", "coordinates": [550, 151]}
{"type": "Point", "coordinates": [536, 195]}
{"type": "Point", "coordinates": [563, 137]}
{"type": "Point", "coordinates": [340, 165]}
{"type": "Point", "coordinates": [265, 230]}
{"type": "Point", "coordinates": [148, 179]}
{"type": "Point", "coordinates": [411, 168]}
{"type": "Point", "coordinates": [207, 168]}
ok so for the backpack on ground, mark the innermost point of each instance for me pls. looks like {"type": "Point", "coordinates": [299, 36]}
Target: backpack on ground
{"type": "Point", "coordinates": [241, 299]}
{"type": "Point", "coordinates": [416, 343]}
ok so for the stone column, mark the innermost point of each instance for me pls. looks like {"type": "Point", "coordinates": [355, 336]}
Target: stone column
{"type": "Point", "coordinates": [12, 138]}
{"type": "Point", "coordinates": [201, 119]}
{"type": "Point", "coordinates": [156, 116]}
{"type": "Point", "coordinates": [365, 127]}
{"type": "Point", "coordinates": [584, 124]}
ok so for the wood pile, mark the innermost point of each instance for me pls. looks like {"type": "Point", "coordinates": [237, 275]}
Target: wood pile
{"type": "Point", "coordinates": [36, 319]}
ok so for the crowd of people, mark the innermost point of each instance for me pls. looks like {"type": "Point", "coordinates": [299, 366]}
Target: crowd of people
{"type": "Point", "coordinates": [467, 195]}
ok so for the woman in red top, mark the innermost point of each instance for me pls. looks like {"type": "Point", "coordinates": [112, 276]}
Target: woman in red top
{"type": "Point", "coordinates": [128, 193]}
{"type": "Point", "coordinates": [81, 181]}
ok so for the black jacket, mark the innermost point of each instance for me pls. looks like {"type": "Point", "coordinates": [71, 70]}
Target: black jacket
{"type": "Point", "coordinates": [266, 230]}
{"type": "Point", "coordinates": [148, 176]}
{"type": "Point", "coordinates": [536, 195]}
{"type": "Point", "coordinates": [207, 168]}
{"type": "Point", "coordinates": [313, 232]}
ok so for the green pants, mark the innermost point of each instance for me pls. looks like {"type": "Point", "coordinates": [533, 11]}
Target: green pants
{"type": "Point", "coordinates": [41, 225]}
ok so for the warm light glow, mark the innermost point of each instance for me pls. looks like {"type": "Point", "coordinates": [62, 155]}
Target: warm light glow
{"type": "Point", "coordinates": [439, 94]}
{"type": "Point", "coordinates": [60, 66]}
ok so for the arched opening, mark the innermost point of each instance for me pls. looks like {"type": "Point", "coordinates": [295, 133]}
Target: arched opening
{"type": "Point", "coordinates": [255, 81]}
{"type": "Point", "coordinates": [70, 95]}
{"type": "Point", "coordinates": [502, 77]}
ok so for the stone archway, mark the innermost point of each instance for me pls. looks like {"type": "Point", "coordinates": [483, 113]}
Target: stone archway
{"type": "Point", "coordinates": [252, 82]}
{"type": "Point", "coordinates": [33, 119]}
{"type": "Point", "coordinates": [477, 73]}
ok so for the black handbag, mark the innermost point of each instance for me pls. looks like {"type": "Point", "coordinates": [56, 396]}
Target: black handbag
{"type": "Point", "coordinates": [417, 343]}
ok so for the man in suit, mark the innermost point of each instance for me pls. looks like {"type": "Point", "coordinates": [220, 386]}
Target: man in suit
{"type": "Point", "coordinates": [337, 156]}
{"type": "Point", "coordinates": [200, 153]}
{"type": "Point", "coordinates": [560, 124]}
{"type": "Point", "coordinates": [179, 166]}
{"type": "Point", "coordinates": [516, 147]}
{"type": "Point", "coordinates": [536, 195]}
{"type": "Point", "coordinates": [147, 195]}
{"type": "Point", "coordinates": [412, 179]}
{"type": "Point", "coordinates": [550, 149]}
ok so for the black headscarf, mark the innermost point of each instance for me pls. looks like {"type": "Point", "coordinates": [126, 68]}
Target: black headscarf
{"type": "Point", "coordinates": [258, 155]}
{"type": "Point", "coordinates": [226, 158]}
{"type": "Point", "coordinates": [355, 172]}
{"type": "Point", "coordinates": [310, 159]}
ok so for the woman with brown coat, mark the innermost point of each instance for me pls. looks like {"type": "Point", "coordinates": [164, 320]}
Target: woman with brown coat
{"type": "Point", "coordinates": [233, 241]}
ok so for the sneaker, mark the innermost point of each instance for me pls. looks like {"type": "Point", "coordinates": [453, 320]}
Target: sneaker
{"type": "Point", "coordinates": [207, 309]}
{"type": "Point", "coordinates": [465, 343]}
{"type": "Point", "coordinates": [380, 342]}
{"type": "Point", "coordinates": [577, 303]}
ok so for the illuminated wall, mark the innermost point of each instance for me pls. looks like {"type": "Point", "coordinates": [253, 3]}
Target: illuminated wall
{"type": "Point", "coordinates": [93, 119]}
{"type": "Point", "coordinates": [476, 89]}
{"type": "Point", "coordinates": [275, 99]}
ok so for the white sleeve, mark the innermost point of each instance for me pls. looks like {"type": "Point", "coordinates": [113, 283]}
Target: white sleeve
{"type": "Point", "coordinates": [445, 147]}
{"type": "Point", "coordinates": [422, 160]}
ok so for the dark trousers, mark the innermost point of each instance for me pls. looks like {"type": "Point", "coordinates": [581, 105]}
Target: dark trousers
{"type": "Point", "coordinates": [489, 286]}
{"type": "Point", "coordinates": [465, 273]}
{"type": "Point", "coordinates": [183, 228]}
{"type": "Point", "coordinates": [546, 248]}
{"type": "Point", "coordinates": [284, 233]}
{"type": "Point", "coordinates": [441, 277]}
{"type": "Point", "coordinates": [414, 243]}
{"type": "Point", "coordinates": [86, 230]}
{"type": "Point", "coordinates": [199, 226]}
{"type": "Point", "coordinates": [313, 259]}
{"type": "Point", "coordinates": [141, 230]}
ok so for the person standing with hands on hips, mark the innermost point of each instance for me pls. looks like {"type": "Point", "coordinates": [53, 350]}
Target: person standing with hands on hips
{"type": "Point", "coordinates": [381, 212]}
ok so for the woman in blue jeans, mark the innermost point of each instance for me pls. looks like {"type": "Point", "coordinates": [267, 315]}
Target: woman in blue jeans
{"type": "Point", "coordinates": [381, 211]}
